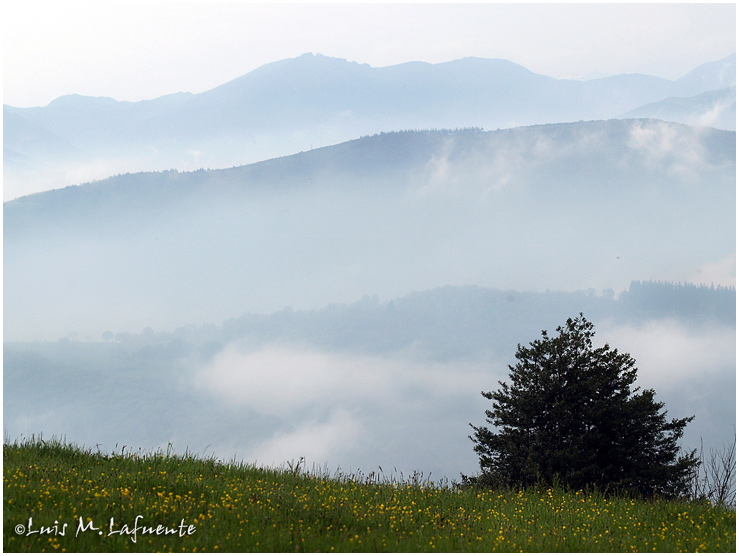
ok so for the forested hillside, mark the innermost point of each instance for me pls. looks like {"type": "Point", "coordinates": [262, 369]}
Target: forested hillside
{"type": "Point", "coordinates": [557, 207]}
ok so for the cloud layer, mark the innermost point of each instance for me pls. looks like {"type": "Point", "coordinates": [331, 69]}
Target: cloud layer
{"type": "Point", "coordinates": [399, 410]}
{"type": "Point", "coordinates": [352, 410]}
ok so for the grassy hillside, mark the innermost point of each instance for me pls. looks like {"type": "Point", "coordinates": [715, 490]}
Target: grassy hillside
{"type": "Point", "coordinates": [58, 497]}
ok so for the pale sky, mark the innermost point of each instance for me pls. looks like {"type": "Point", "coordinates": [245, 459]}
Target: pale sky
{"type": "Point", "coordinates": [146, 50]}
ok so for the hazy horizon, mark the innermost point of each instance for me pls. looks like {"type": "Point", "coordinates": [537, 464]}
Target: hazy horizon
{"type": "Point", "coordinates": [142, 52]}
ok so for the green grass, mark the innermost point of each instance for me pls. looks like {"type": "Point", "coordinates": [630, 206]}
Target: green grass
{"type": "Point", "coordinates": [238, 507]}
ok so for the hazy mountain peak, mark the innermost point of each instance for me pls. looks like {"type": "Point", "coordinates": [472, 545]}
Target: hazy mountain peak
{"type": "Point", "coordinates": [76, 101]}
{"type": "Point", "coordinates": [494, 66]}
{"type": "Point", "coordinates": [587, 77]}
{"type": "Point", "coordinates": [318, 58]}
{"type": "Point", "coordinates": [719, 74]}
{"type": "Point", "coordinates": [714, 108]}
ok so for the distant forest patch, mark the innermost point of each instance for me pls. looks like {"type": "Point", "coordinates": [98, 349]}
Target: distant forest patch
{"type": "Point", "coordinates": [452, 321]}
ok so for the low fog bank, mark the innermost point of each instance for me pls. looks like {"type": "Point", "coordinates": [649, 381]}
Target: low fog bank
{"type": "Point", "coordinates": [363, 386]}
{"type": "Point", "coordinates": [354, 410]}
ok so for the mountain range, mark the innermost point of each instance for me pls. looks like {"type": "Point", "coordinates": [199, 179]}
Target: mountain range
{"type": "Point", "coordinates": [297, 104]}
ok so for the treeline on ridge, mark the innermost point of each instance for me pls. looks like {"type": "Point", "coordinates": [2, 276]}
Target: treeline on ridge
{"type": "Point", "coordinates": [448, 322]}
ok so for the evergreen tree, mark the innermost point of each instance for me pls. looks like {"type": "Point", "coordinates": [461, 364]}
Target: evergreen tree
{"type": "Point", "coordinates": [571, 415]}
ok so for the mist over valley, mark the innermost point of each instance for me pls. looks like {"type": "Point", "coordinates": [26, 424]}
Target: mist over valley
{"type": "Point", "coordinates": [361, 385]}
{"type": "Point", "coordinates": [364, 256]}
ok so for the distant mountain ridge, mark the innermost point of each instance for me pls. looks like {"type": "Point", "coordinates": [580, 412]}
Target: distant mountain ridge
{"type": "Point", "coordinates": [714, 108]}
{"type": "Point", "coordinates": [459, 321]}
{"type": "Point", "coordinates": [311, 101]}
{"type": "Point", "coordinates": [711, 76]}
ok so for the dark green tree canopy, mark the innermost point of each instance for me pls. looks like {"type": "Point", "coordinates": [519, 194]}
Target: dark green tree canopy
{"type": "Point", "coordinates": [571, 414]}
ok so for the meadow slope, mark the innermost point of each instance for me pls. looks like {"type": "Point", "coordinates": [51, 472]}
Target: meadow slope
{"type": "Point", "coordinates": [158, 502]}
